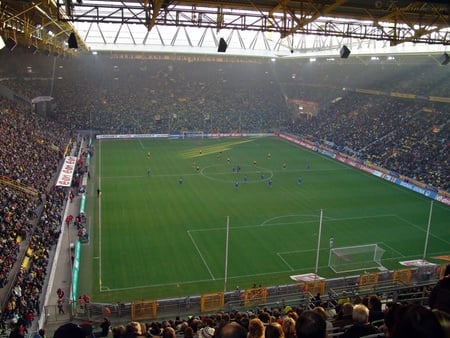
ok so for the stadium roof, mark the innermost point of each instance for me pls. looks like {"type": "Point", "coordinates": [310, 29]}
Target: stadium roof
{"type": "Point", "coordinates": [250, 27]}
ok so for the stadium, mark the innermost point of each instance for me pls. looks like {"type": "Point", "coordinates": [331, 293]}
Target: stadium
{"type": "Point", "coordinates": [222, 177]}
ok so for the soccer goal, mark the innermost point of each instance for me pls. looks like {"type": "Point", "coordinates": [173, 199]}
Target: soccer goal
{"type": "Point", "coordinates": [356, 258]}
{"type": "Point", "coordinates": [192, 134]}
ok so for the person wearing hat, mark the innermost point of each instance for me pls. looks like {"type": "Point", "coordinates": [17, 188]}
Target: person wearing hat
{"type": "Point", "coordinates": [206, 332]}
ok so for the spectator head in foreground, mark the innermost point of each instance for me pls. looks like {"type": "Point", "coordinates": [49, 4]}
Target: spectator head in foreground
{"type": "Point", "coordinates": [440, 295]}
{"type": "Point", "coordinates": [360, 314]}
{"type": "Point", "coordinates": [392, 316]}
{"type": "Point", "coordinates": [168, 332]}
{"type": "Point", "coordinates": [289, 327]}
{"type": "Point", "coordinates": [444, 320]}
{"type": "Point", "coordinates": [231, 330]}
{"type": "Point", "coordinates": [133, 329]}
{"type": "Point", "coordinates": [310, 325]}
{"type": "Point", "coordinates": [274, 330]}
{"type": "Point", "coordinates": [69, 330]}
{"type": "Point", "coordinates": [256, 328]}
{"type": "Point", "coordinates": [417, 322]}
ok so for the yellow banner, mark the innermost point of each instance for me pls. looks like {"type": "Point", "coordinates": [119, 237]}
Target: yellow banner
{"type": "Point", "coordinates": [368, 91]}
{"type": "Point", "coordinates": [255, 296]}
{"type": "Point", "coordinates": [315, 287]}
{"type": "Point", "coordinates": [402, 275]}
{"type": "Point", "coordinates": [145, 309]}
{"type": "Point", "coordinates": [403, 95]}
{"type": "Point", "coordinates": [368, 280]}
{"type": "Point", "coordinates": [440, 99]}
{"type": "Point", "coordinates": [212, 302]}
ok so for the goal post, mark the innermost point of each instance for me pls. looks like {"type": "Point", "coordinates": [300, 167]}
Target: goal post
{"type": "Point", "coordinates": [356, 258]}
{"type": "Point", "coordinates": [192, 134]}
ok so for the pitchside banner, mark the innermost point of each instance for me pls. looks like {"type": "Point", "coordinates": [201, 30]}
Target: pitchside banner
{"type": "Point", "coordinates": [66, 173]}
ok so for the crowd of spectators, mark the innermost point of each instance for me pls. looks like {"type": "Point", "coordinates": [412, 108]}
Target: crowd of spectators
{"type": "Point", "coordinates": [161, 96]}
{"type": "Point", "coordinates": [32, 146]}
{"type": "Point", "coordinates": [31, 208]}
{"type": "Point", "coordinates": [361, 113]}
{"type": "Point", "coordinates": [392, 133]}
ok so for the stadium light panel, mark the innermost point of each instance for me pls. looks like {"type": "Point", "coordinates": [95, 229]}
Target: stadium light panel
{"type": "Point", "coordinates": [444, 59]}
{"type": "Point", "coordinates": [344, 52]}
{"type": "Point", "coordinates": [72, 42]}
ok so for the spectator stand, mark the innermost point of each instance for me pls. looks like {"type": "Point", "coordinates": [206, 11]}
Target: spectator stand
{"type": "Point", "coordinates": [60, 275]}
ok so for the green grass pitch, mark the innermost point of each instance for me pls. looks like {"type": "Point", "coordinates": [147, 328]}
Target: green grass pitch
{"type": "Point", "coordinates": [152, 237]}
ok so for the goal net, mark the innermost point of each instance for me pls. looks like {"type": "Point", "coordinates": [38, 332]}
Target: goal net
{"type": "Point", "coordinates": [356, 258]}
{"type": "Point", "coordinates": [192, 134]}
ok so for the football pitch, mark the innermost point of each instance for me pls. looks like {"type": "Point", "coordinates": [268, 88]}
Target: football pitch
{"type": "Point", "coordinates": [186, 217]}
